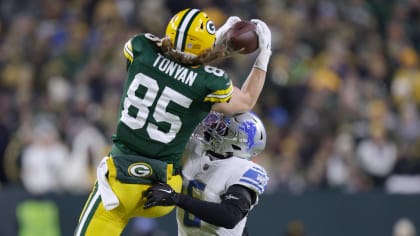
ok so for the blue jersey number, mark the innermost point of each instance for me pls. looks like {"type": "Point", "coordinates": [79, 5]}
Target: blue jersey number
{"type": "Point", "coordinates": [191, 220]}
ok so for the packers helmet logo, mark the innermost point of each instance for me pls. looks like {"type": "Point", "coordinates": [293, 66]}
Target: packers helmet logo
{"type": "Point", "coordinates": [210, 27]}
{"type": "Point", "coordinates": [140, 169]}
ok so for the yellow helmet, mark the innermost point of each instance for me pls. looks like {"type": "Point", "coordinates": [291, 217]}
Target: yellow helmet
{"type": "Point", "coordinates": [191, 31]}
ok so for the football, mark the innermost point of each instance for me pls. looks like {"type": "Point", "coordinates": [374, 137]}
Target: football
{"type": "Point", "coordinates": [242, 38]}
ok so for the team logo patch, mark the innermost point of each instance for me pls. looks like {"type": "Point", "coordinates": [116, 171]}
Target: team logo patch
{"type": "Point", "coordinates": [250, 129]}
{"type": "Point", "coordinates": [140, 169]}
{"type": "Point", "coordinates": [210, 27]}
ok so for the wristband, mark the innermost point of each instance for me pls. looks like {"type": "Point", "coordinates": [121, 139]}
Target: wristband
{"type": "Point", "coordinates": [262, 60]}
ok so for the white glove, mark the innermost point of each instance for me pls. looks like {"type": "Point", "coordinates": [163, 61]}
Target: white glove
{"type": "Point", "coordinates": [264, 43]}
{"type": "Point", "coordinates": [221, 32]}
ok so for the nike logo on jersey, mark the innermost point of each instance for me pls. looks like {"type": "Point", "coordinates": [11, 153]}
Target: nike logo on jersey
{"type": "Point", "coordinates": [174, 70]}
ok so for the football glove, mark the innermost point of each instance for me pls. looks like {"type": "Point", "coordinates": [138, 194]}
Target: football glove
{"type": "Point", "coordinates": [221, 32]}
{"type": "Point", "coordinates": [264, 44]}
{"type": "Point", "coordinates": [160, 194]}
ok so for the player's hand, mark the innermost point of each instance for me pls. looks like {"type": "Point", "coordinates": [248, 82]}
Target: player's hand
{"type": "Point", "coordinates": [264, 35]}
{"type": "Point", "coordinates": [221, 32]}
{"type": "Point", "coordinates": [160, 194]}
{"type": "Point", "coordinates": [264, 44]}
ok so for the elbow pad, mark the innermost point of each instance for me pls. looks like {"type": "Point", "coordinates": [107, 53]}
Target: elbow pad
{"type": "Point", "coordinates": [238, 196]}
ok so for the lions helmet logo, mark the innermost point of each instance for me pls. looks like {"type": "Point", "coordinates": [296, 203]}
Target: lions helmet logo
{"type": "Point", "coordinates": [140, 170]}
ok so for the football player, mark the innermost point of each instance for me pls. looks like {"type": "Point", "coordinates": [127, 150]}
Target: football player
{"type": "Point", "coordinates": [220, 183]}
{"type": "Point", "coordinates": [169, 89]}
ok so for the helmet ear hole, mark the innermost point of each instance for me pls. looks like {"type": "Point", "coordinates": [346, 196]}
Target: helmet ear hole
{"type": "Point", "coordinates": [234, 147]}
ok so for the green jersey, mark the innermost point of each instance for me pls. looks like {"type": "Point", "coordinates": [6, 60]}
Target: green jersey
{"type": "Point", "coordinates": [163, 101]}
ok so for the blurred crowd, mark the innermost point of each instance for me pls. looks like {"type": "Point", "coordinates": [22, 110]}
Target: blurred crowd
{"type": "Point", "coordinates": [341, 102]}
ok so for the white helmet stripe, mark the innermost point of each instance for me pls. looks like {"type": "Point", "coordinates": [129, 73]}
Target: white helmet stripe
{"type": "Point", "coordinates": [182, 28]}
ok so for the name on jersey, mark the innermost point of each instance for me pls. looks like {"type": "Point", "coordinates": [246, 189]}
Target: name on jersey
{"type": "Point", "coordinates": [174, 70]}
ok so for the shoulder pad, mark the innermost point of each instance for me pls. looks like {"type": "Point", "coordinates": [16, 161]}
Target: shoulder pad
{"type": "Point", "coordinates": [134, 45]}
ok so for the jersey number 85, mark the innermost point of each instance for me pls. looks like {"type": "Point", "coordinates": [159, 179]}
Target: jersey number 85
{"type": "Point", "coordinates": [159, 113]}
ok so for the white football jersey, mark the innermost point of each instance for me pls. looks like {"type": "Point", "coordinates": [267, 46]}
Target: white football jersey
{"type": "Point", "coordinates": [207, 180]}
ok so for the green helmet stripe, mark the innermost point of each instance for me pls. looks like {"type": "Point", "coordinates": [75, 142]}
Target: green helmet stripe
{"type": "Point", "coordinates": [184, 42]}
{"type": "Point", "coordinates": [184, 25]}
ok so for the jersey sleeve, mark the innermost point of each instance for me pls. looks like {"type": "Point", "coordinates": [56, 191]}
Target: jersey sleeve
{"type": "Point", "coordinates": [128, 50]}
{"type": "Point", "coordinates": [134, 47]}
{"type": "Point", "coordinates": [254, 177]}
{"type": "Point", "coordinates": [221, 89]}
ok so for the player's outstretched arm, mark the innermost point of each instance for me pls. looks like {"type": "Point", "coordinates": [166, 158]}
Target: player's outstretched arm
{"type": "Point", "coordinates": [245, 98]}
{"type": "Point", "coordinates": [235, 204]}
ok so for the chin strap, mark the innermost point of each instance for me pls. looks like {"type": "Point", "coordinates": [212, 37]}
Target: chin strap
{"type": "Point", "coordinates": [214, 155]}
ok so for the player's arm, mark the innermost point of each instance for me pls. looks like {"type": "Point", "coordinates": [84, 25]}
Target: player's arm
{"type": "Point", "coordinates": [235, 204]}
{"type": "Point", "coordinates": [245, 98]}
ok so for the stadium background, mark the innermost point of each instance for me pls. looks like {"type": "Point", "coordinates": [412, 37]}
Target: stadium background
{"type": "Point", "coordinates": [341, 106]}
